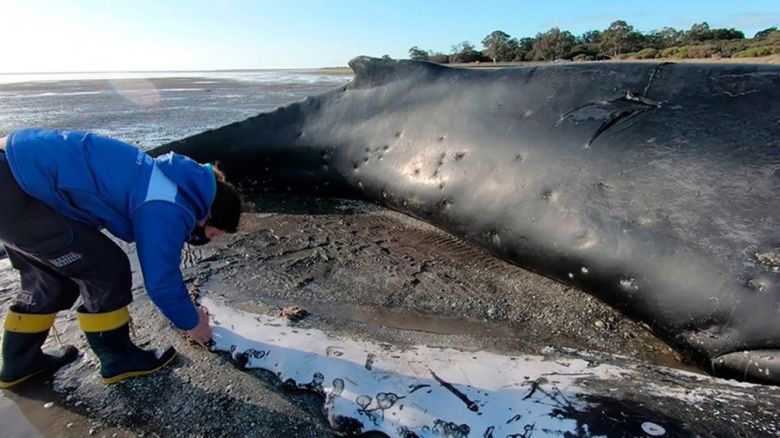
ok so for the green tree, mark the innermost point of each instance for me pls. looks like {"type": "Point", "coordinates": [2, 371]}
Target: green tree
{"type": "Point", "coordinates": [761, 34]}
{"type": "Point", "coordinates": [526, 43]}
{"type": "Point", "coordinates": [666, 37]}
{"type": "Point", "coordinates": [418, 54]}
{"type": "Point", "coordinates": [727, 34]}
{"type": "Point", "coordinates": [524, 50]}
{"type": "Point", "coordinates": [499, 46]}
{"type": "Point", "coordinates": [512, 50]}
{"type": "Point", "coordinates": [619, 38]}
{"type": "Point", "coordinates": [590, 37]}
{"type": "Point", "coordinates": [465, 52]}
{"type": "Point", "coordinates": [699, 32]}
{"type": "Point", "coordinates": [553, 44]}
{"type": "Point", "coordinates": [587, 46]}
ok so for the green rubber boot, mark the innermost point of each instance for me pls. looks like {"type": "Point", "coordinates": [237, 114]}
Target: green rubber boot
{"type": "Point", "coordinates": [23, 358]}
{"type": "Point", "coordinates": [109, 336]}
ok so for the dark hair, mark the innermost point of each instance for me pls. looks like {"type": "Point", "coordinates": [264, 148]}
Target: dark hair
{"type": "Point", "coordinates": [226, 208]}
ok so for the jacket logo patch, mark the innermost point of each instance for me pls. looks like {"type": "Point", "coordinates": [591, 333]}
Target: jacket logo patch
{"type": "Point", "coordinates": [62, 261]}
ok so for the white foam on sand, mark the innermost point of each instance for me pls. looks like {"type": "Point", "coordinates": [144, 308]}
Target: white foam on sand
{"type": "Point", "coordinates": [425, 391]}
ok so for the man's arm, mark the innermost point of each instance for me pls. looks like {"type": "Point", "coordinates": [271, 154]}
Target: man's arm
{"type": "Point", "coordinates": [160, 231]}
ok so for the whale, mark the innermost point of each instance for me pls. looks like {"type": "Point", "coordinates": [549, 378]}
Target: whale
{"type": "Point", "coordinates": [655, 187]}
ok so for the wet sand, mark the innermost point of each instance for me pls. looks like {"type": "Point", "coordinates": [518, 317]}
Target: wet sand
{"type": "Point", "coordinates": [350, 261]}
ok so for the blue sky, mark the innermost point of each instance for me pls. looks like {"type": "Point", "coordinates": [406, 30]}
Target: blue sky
{"type": "Point", "coordinates": [92, 35]}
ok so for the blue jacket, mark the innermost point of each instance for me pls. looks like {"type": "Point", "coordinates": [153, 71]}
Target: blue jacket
{"type": "Point", "coordinates": [109, 184]}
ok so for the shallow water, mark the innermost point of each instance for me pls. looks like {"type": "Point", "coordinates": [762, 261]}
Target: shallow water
{"type": "Point", "coordinates": [13, 420]}
{"type": "Point", "coordinates": [149, 109]}
{"type": "Point", "coordinates": [37, 411]}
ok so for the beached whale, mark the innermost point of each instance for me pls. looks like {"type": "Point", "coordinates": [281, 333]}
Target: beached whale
{"type": "Point", "coordinates": [653, 186]}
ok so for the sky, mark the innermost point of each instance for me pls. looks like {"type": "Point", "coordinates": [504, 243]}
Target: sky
{"type": "Point", "coordinates": [144, 35]}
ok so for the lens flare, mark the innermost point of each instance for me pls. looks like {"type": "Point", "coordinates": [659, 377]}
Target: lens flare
{"type": "Point", "coordinates": [138, 91]}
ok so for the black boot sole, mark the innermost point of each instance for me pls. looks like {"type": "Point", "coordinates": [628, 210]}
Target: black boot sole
{"type": "Point", "coordinates": [139, 373]}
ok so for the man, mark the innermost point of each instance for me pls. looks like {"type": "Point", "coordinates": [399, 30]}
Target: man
{"type": "Point", "coordinates": [58, 189]}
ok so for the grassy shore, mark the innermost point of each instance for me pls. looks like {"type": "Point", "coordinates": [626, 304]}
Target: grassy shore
{"type": "Point", "coordinates": [771, 59]}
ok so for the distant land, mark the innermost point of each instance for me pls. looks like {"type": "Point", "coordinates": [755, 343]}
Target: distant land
{"type": "Point", "coordinates": [771, 59]}
{"type": "Point", "coordinates": [617, 42]}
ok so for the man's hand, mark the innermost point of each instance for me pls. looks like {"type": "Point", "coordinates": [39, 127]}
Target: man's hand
{"type": "Point", "coordinates": [202, 332]}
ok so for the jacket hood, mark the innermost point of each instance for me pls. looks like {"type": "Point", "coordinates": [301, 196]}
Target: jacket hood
{"type": "Point", "coordinates": [196, 183]}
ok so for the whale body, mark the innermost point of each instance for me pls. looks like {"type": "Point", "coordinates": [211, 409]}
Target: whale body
{"type": "Point", "coordinates": [652, 186]}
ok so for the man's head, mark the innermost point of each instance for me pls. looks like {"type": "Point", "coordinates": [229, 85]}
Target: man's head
{"type": "Point", "coordinates": [225, 212]}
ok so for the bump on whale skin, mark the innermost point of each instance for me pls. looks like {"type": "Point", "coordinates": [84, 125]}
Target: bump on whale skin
{"type": "Point", "coordinates": [653, 186]}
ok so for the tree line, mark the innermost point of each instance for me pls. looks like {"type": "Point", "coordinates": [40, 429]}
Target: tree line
{"type": "Point", "coordinates": [619, 41]}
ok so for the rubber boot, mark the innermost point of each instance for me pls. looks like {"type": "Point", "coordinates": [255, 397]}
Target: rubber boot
{"type": "Point", "coordinates": [23, 359]}
{"type": "Point", "coordinates": [109, 336]}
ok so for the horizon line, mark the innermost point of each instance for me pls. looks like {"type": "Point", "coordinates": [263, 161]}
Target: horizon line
{"type": "Point", "coordinates": [221, 70]}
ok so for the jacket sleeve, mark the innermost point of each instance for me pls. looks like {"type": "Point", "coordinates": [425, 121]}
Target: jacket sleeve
{"type": "Point", "coordinates": [161, 229]}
